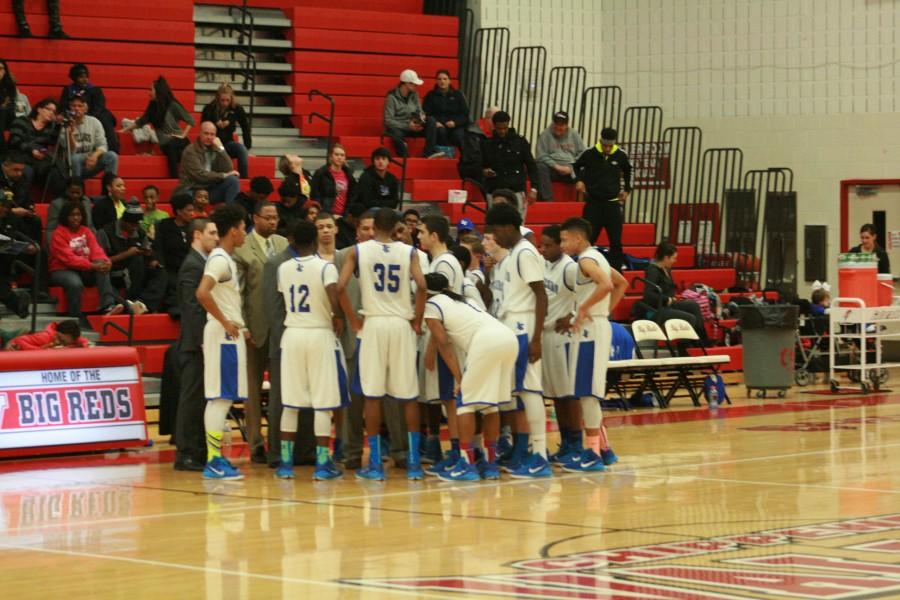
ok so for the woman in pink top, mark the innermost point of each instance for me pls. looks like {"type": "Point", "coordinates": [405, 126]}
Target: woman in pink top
{"type": "Point", "coordinates": [76, 260]}
{"type": "Point", "coordinates": [333, 183]}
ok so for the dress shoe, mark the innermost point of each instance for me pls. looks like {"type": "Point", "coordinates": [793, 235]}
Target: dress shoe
{"type": "Point", "coordinates": [259, 456]}
{"type": "Point", "coordinates": [188, 464]}
{"type": "Point", "coordinates": [25, 31]}
{"type": "Point", "coordinates": [351, 464]}
{"type": "Point", "coordinates": [58, 34]}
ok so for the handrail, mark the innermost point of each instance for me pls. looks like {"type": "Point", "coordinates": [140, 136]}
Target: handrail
{"type": "Point", "coordinates": [128, 334]}
{"type": "Point", "coordinates": [329, 119]}
{"type": "Point", "coordinates": [249, 72]}
{"type": "Point", "coordinates": [401, 164]}
{"type": "Point", "coordinates": [480, 187]}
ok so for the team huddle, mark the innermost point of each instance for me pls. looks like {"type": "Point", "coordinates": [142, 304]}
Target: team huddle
{"type": "Point", "coordinates": [485, 347]}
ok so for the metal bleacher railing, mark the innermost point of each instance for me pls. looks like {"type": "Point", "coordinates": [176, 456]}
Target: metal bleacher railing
{"type": "Point", "coordinates": [694, 195]}
{"type": "Point", "coordinates": [245, 49]}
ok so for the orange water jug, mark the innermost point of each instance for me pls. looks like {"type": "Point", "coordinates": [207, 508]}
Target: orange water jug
{"type": "Point", "coordinates": [858, 277]}
{"type": "Point", "coordinates": [885, 289]}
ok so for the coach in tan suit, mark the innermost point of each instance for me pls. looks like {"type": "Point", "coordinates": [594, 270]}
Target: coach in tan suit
{"type": "Point", "coordinates": [262, 243]}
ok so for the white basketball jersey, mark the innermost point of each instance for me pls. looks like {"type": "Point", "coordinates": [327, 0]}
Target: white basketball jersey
{"type": "Point", "coordinates": [423, 264]}
{"type": "Point", "coordinates": [461, 320]}
{"type": "Point", "coordinates": [302, 282]}
{"type": "Point", "coordinates": [384, 278]}
{"type": "Point", "coordinates": [227, 291]}
{"type": "Point", "coordinates": [498, 278]}
{"type": "Point", "coordinates": [471, 293]}
{"type": "Point", "coordinates": [586, 286]}
{"type": "Point", "coordinates": [448, 265]}
{"type": "Point", "coordinates": [522, 267]}
{"type": "Point", "coordinates": [559, 280]}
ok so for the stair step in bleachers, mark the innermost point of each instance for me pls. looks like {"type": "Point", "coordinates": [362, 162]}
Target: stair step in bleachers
{"type": "Point", "coordinates": [335, 84]}
{"type": "Point", "coordinates": [90, 299]}
{"type": "Point", "coordinates": [344, 106]}
{"type": "Point", "coordinates": [404, 6]}
{"type": "Point", "coordinates": [153, 10]}
{"type": "Point", "coordinates": [432, 188]}
{"type": "Point", "coordinates": [153, 357]}
{"type": "Point", "coordinates": [102, 53]}
{"type": "Point", "coordinates": [373, 126]}
{"type": "Point", "coordinates": [622, 311]}
{"type": "Point", "coordinates": [686, 254]}
{"type": "Point", "coordinates": [362, 146]}
{"type": "Point", "coordinates": [118, 100]}
{"type": "Point", "coordinates": [305, 38]}
{"type": "Point", "coordinates": [134, 187]}
{"type": "Point", "coordinates": [147, 328]}
{"type": "Point", "coordinates": [227, 42]}
{"type": "Point", "coordinates": [139, 78]}
{"type": "Point", "coordinates": [718, 279]}
{"type": "Point", "coordinates": [349, 63]}
{"type": "Point", "coordinates": [99, 28]}
{"type": "Point", "coordinates": [426, 169]}
{"type": "Point", "coordinates": [154, 167]}
{"type": "Point", "coordinates": [378, 22]}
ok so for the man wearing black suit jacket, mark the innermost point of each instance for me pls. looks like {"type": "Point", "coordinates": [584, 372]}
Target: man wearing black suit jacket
{"type": "Point", "coordinates": [305, 442]}
{"type": "Point", "coordinates": [190, 437]}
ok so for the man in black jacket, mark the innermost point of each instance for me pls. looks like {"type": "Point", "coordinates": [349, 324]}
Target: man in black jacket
{"type": "Point", "coordinates": [190, 437]}
{"type": "Point", "coordinates": [377, 187]}
{"type": "Point", "coordinates": [172, 243]}
{"type": "Point", "coordinates": [506, 159]}
{"type": "Point", "coordinates": [604, 174]}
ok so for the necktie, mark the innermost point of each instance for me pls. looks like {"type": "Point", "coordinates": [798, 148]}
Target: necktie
{"type": "Point", "coordinates": [270, 249]}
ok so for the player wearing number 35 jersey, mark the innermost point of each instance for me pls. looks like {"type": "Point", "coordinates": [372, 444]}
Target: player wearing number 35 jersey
{"type": "Point", "coordinates": [386, 342]}
{"type": "Point", "coordinates": [313, 373]}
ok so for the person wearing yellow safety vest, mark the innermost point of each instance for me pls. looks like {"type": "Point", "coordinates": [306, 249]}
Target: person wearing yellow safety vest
{"type": "Point", "coordinates": [604, 174]}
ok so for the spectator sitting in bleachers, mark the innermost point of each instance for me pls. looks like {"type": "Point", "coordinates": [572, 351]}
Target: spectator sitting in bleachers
{"type": "Point", "coordinates": [227, 114]}
{"type": "Point", "coordinates": [260, 190]}
{"type": "Point", "coordinates": [345, 235]}
{"type": "Point", "coordinates": [172, 244]}
{"type": "Point", "coordinates": [506, 159]}
{"type": "Point", "coordinates": [8, 93]}
{"type": "Point", "coordinates": [59, 334]}
{"type": "Point", "coordinates": [152, 215]}
{"type": "Point", "coordinates": [290, 209]}
{"type": "Point", "coordinates": [14, 299]}
{"type": "Point", "coordinates": [110, 205]}
{"type": "Point", "coordinates": [14, 188]}
{"type": "Point", "coordinates": [404, 117]}
{"type": "Point", "coordinates": [558, 147]}
{"type": "Point", "coordinates": [74, 192]}
{"type": "Point", "coordinates": [659, 302]}
{"type": "Point", "coordinates": [450, 110]}
{"type": "Point", "coordinates": [56, 30]}
{"type": "Point", "coordinates": [291, 165]}
{"type": "Point", "coordinates": [473, 141]}
{"type": "Point", "coordinates": [312, 209]}
{"type": "Point", "coordinates": [134, 263]}
{"type": "Point", "coordinates": [333, 183]}
{"type": "Point", "coordinates": [85, 143]}
{"type": "Point", "coordinates": [77, 260]}
{"type": "Point", "coordinates": [35, 136]}
{"type": "Point", "coordinates": [201, 203]}
{"type": "Point", "coordinates": [377, 187]}
{"type": "Point", "coordinates": [165, 114]}
{"type": "Point", "coordinates": [205, 164]}
{"type": "Point", "coordinates": [81, 87]}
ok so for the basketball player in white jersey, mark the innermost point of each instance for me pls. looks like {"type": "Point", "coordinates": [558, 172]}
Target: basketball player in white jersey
{"type": "Point", "coordinates": [313, 373]}
{"type": "Point", "coordinates": [326, 228]}
{"type": "Point", "coordinates": [560, 274]}
{"type": "Point", "coordinates": [598, 289]}
{"type": "Point", "coordinates": [433, 235]}
{"type": "Point", "coordinates": [469, 287]}
{"type": "Point", "coordinates": [224, 349]}
{"type": "Point", "coordinates": [483, 382]}
{"type": "Point", "coordinates": [387, 336]}
{"type": "Point", "coordinates": [523, 309]}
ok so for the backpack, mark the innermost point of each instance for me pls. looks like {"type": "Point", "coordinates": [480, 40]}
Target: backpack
{"type": "Point", "coordinates": [714, 389]}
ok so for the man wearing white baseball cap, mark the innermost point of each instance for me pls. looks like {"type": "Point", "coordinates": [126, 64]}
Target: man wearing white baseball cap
{"type": "Point", "coordinates": [404, 117]}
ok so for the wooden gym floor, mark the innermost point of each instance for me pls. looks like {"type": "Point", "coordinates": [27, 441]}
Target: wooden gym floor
{"type": "Point", "coordinates": [795, 498]}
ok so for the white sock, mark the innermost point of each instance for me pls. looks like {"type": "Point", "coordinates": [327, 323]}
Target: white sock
{"type": "Point", "coordinates": [593, 414]}
{"type": "Point", "coordinates": [537, 421]}
{"type": "Point", "coordinates": [289, 419]}
{"type": "Point", "coordinates": [322, 423]}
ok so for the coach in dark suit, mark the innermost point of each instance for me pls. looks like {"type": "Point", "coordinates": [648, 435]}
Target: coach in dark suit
{"type": "Point", "coordinates": [305, 443]}
{"type": "Point", "coordinates": [190, 437]}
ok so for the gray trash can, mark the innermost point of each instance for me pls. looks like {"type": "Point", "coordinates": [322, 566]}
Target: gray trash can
{"type": "Point", "coordinates": [769, 333]}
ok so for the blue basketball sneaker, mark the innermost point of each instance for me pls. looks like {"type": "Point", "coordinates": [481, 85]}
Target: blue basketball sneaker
{"type": "Point", "coordinates": [284, 471]}
{"type": "Point", "coordinates": [504, 446]}
{"type": "Point", "coordinates": [487, 470]}
{"type": "Point", "coordinates": [463, 470]}
{"type": "Point", "coordinates": [372, 472]}
{"type": "Point", "coordinates": [533, 467]}
{"type": "Point", "coordinates": [327, 471]}
{"type": "Point", "coordinates": [415, 473]}
{"type": "Point", "coordinates": [509, 463]}
{"type": "Point", "coordinates": [449, 460]}
{"type": "Point", "coordinates": [432, 453]}
{"type": "Point", "coordinates": [586, 462]}
{"type": "Point", "coordinates": [609, 457]}
{"type": "Point", "coordinates": [220, 468]}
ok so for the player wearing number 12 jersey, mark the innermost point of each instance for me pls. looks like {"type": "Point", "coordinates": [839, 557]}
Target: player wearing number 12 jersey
{"type": "Point", "coordinates": [313, 373]}
{"type": "Point", "coordinates": [386, 342]}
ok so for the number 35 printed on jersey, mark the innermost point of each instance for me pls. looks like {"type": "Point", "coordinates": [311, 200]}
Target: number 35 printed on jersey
{"type": "Point", "coordinates": [387, 274]}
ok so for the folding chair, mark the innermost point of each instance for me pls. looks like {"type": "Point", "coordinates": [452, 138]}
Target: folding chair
{"type": "Point", "coordinates": [680, 331]}
{"type": "Point", "coordinates": [647, 331]}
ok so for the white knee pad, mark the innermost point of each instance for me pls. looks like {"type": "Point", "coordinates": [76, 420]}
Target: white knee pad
{"type": "Point", "coordinates": [289, 418]}
{"type": "Point", "coordinates": [593, 414]}
{"type": "Point", "coordinates": [322, 423]}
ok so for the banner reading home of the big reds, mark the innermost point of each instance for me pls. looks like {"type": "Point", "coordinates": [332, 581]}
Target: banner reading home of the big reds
{"type": "Point", "coordinates": [72, 399]}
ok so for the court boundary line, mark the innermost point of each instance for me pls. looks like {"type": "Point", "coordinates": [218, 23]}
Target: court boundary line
{"type": "Point", "coordinates": [335, 501]}
{"type": "Point", "coordinates": [187, 567]}
{"type": "Point", "coordinates": [781, 484]}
